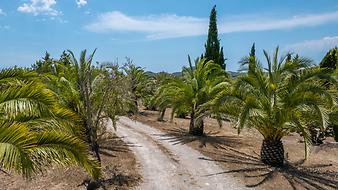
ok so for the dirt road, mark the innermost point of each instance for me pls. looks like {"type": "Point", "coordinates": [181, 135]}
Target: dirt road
{"type": "Point", "coordinates": [167, 166]}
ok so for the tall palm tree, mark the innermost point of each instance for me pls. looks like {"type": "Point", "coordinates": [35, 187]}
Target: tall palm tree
{"type": "Point", "coordinates": [36, 131]}
{"type": "Point", "coordinates": [198, 85]}
{"type": "Point", "coordinates": [84, 74]}
{"type": "Point", "coordinates": [103, 95]}
{"type": "Point", "coordinates": [287, 96]}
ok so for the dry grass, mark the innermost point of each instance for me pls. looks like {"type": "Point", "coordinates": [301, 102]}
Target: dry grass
{"type": "Point", "coordinates": [239, 155]}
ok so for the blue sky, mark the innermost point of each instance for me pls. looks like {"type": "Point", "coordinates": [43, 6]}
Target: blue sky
{"type": "Point", "coordinates": [159, 34]}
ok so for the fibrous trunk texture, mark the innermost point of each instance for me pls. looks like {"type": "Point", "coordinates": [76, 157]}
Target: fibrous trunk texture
{"type": "Point", "coordinates": [196, 127]}
{"type": "Point", "coordinates": [161, 117]}
{"type": "Point", "coordinates": [272, 153]}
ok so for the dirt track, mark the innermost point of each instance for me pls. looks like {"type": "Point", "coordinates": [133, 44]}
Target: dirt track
{"type": "Point", "coordinates": [167, 166]}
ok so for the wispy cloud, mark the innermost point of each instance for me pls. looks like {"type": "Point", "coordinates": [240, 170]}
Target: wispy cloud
{"type": "Point", "coordinates": [81, 3]}
{"type": "Point", "coordinates": [2, 13]}
{"type": "Point", "coordinates": [156, 26]}
{"type": "Point", "coordinates": [173, 26]}
{"type": "Point", "coordinates": [262, 24]}
{"type": "Point", "coordinates": [39, 7]}
{"type": "Point", "coordinates": [317, 45]}
{"type": "Point", "coordinates": [5, 27]}
{"type": "Point", "coordinates": [55, 19]}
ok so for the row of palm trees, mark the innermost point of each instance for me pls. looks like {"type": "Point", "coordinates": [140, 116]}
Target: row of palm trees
{"type": "Point", "coordinates": [56, 113]}
{"type": "Point", "coordinates": [287, 96]}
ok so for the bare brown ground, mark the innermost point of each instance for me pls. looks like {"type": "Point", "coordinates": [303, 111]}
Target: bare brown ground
{"type": "Point", "coordinates": [119, 167]}
{"type": "Point", "coordinates": [239, 154]}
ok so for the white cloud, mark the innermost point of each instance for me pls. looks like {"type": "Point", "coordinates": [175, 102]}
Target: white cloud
{"type": "Point", "coordinates": [309, 46]}
{"type": "Point", "coordinates": [81, 3]}
{"type": "Point", "coordinates": [2, 13]}
{"type": "Point", "coordinates": [160, 26]}
{"type": "Point", "coordinates": [172, 26]}
{"type": "Point", "coordinates": [37, 7]}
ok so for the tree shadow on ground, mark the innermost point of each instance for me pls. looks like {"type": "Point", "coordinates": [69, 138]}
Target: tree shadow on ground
{"type": "Point", "coordinates": [181, 136]}
{"type": "Point", "coordinates": [298, 175]}
{"type": "Point", "coordinates": [116, 178]}
{"type": "Point", "coordinates": [144, 113]}
{"type": "Point", "coordinates": [110, 146]}
{"type": "Point", "coordinates": [113, 145]}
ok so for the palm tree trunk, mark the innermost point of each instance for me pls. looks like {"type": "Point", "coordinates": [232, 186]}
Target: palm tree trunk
{"type": "Point", "coordinates": [272, 153]}
{"type": "Point", "coordinates": [92, 138]}
{"type": "Point", "coordinates": [136, 105]}
{"type": "Point", "coordinates": [196, 127]}
{"type": "Point", "coordinates": [161, 117]}
{"type": "Point", "coordinates": [96, 150]}
{"type": "Point", "coordinates": [192, 122]}
{"type": "Point", "coordinates": [85, 92]}
{"type": "Point", "coordinates": [335, 132]}
{"type": "Point", "coordinates": [172, 115]}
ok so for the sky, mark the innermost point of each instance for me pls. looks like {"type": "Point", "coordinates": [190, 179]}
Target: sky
{"type": "Point", "coordinates": [159, 34]}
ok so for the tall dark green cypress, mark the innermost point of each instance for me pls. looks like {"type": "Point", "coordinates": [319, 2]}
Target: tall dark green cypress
{"type": "Point", "coordinates": [330, 60]}
{"type": "Point", "coordinates": [213, 51]}
{"type": "Point", "coordinates": [252, 59]}
{"type": "Point", "coordinates": [253, 50]}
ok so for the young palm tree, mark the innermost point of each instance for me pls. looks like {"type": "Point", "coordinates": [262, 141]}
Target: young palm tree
{"type": "Point", "coordinates": [35, 131]}
{"type": "Point", "coordinates": [285, 97]}
{"type": "Point", "coordinates": [198, 85]}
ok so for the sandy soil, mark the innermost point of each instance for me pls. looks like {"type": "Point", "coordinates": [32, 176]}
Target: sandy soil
{"type": "Point", "coordinates": [239, 155]}
{"type": "Point", "coordinates": [119, 167]}
{"type": "Point", "coordinates": [166, 166]}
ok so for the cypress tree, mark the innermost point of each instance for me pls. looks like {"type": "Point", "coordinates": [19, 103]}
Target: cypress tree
{"type": "Point", "coordinates": [212, 47]}
{"type": "Point", "coordinates": [252, 58]}
{"type": "Point", "coordinates": [330, 60]}
{"type": "Point", "coordinates": [253, 50]}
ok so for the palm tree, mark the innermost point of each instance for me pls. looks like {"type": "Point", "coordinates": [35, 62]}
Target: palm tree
{"type": "Point", "coordinates": [102, 96]}
{"type": "Point", "coordinates": [139, 82]}
{"type": "Point", "coordinates": [161, 78]}
{"type": "Point", "coordinates": [84, 74]}
{"type": "Point", "coordinates": [197, 86]}
{"type": "Point", "coordinates": [36, 131]}
{"type": "Point", "coordinates": [285, 97]}
{"type": "Point", "coordinates": [334, 112]}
